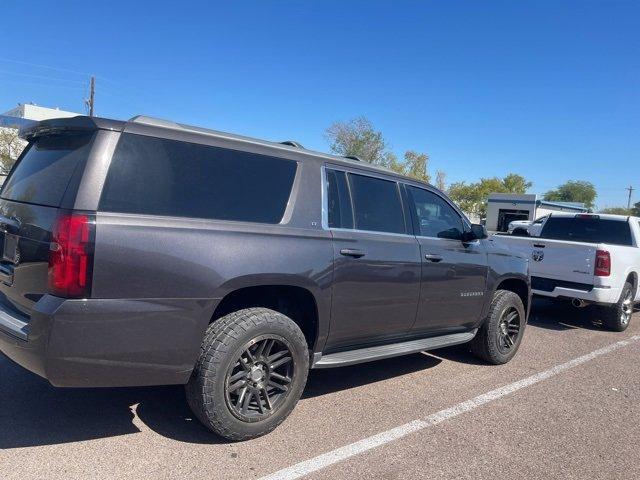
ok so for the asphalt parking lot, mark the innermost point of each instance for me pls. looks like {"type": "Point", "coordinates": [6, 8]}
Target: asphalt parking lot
{"type": "Point", "coordinates": [567, 406]}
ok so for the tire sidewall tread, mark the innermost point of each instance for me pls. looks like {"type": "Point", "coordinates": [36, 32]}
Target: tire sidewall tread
{"type": "Point", "coordinates": [485, 343]}
{"type": "Point", "coordinates": [223, 338]}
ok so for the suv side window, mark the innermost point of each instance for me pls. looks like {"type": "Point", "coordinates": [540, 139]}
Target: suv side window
{"type": "Point", "coordinates": [339, 211]}
{"type": "Point", "coordinates": [434, 216]}
{"type": "Point", "coordinates": [377, 205]}
{"type": "Point", "coordinates": [156, 176]}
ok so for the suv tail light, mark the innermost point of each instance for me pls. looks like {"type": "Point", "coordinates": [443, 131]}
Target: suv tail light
{"type": "Point", "coordinates": [71, 255]}
{"type": "Point", "coordinates": [603, 264]}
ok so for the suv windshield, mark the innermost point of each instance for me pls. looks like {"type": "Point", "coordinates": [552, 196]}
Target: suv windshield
{"type": "Point", "coordinates": [43, 172]}
{"type": "Point", "coordinates": [589, 230]}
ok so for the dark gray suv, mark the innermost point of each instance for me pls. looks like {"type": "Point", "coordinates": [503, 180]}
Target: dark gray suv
{"type": "Point", "coordinates": [148, 252]}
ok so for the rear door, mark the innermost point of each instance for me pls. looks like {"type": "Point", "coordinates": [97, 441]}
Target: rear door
{"type": "Point", "coordinates": [48, 170]}
{"type": "Point", "coordinates": [454, 274]}
{"type": "Point", "coordinates": [376, 261]}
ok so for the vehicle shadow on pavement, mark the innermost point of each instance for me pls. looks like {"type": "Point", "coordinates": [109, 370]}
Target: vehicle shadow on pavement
{"type": "Point", "coordinates": [325, 381]}
{"type": "Point", "coordinates": [34, 413]}
{"type": "Point", "coordinates": [559, 315]}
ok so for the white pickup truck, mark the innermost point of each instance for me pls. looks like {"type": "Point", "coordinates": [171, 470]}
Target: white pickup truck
{"type": "Point", "coordinates": [518, 227]}
{"type": "Point", "coordinates": [588, 259]}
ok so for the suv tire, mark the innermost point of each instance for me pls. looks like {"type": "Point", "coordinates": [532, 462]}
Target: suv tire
{"type": "Point", "coordinates": [250, 373]}
{"type": "Point", "coordinates": [499, 337]}
{"type": "Point", "coordinates": [618, 316]}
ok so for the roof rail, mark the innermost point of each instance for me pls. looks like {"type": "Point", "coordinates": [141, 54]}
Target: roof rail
{"type": "Point", "coordinates": [292, 143]}
{"type": "Point", "coordinates": [156, 122]}
{"type": "Point", "coordinates": [354, 157]}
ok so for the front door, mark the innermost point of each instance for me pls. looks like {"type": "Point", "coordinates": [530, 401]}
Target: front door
{"type": "Point", "coordinates": [376, 261]}
{"type": "Point", "coordinates": [454, 274]}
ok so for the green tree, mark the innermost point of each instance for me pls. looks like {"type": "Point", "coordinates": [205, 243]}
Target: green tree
{"type": "Point", "coordinates": [617, 211]}
{"type": "Point", "coordinates": [636, 209]}
{"type": "Point", "coordinates": [10, 148]}
{"type": "Point", "coordinates": [359, 138]}
{"type": "Point", "coordinates": [574, 191]}
{"type": "Point", "coordinates": [472, 197]}
{"type": "Point", "coordinates": [415, 165]}
{"type": "Point", "coordinates": [514, 183]}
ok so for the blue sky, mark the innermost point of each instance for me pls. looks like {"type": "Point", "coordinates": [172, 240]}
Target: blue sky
{"type": "Point", "coordinates": [547, 89]}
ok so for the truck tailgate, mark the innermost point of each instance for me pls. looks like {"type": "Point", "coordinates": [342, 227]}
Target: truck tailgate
{"type": "Point", "coordinates": [555, 259]}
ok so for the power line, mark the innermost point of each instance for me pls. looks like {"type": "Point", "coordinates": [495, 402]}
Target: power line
{"type": "Point", "coordinates": [630, 189]}
{"type": "Point", "coordinates": [45, 77]}
{"type": "Point", "coordinates": [37, 65]}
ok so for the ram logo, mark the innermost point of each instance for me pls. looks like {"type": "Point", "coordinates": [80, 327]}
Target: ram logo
{"type": "Point", "coordinates": [537, 255]}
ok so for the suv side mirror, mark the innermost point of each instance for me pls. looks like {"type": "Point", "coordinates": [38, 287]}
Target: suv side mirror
{"type": "Point", "coordinates": [477, 232]}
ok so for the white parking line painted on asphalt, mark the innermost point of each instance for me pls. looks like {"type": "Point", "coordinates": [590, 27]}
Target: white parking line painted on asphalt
{"type": "Point", "coordinates": [335, 456]}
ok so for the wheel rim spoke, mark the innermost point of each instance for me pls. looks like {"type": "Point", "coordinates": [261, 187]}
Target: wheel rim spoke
{"type": "Point", "coordinates": [267, 401]}
{"type": "Point", "coordinates": [237, 385]}
{"type": "Point", "coordinates": [237, 376]}
{"type": "Point", "coordinates": [259, 401]}
{"type": "Point", "coordinates": [241, 397]}
{"type": "Point", "coordinates": [280, 362]}
{"type": "Point", "coordinates": [271, 383]}
{"type": "Point", "coordinates": [246, 402]}
{"type": "Point", "coordinates": [282, 378]}
{"type": "Point", "coordinates": [277, 355]}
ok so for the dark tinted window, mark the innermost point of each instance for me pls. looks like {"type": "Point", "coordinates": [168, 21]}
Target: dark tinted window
{"type": "Point", "coordinates": [165, 177]}
{"type": "Point", "coordinates": [338, 200]}
{"type": "Point", "coordinates": [590, 230]}
{"type": "Point", "coordinates": [434, 216]}
{"type": "Point", "coordinates": [377, 204]}
{"type": "Point", "coordinates": [44, 170]}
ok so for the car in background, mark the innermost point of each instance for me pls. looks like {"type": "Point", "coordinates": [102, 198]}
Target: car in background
{"type": "Point", "coordinates": [588, 259]}
{"type": "Point", "coordinates": [527, 228]}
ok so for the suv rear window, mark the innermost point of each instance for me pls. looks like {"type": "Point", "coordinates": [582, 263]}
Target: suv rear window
{"type": "Point", "coordinates": [589, 230]}
{"type": "Point", "coordinates": [156, 176]}
{"type": "Point", "coordinates": [43, 172]}
{"type": "Point", "coordinates": [377, 204]}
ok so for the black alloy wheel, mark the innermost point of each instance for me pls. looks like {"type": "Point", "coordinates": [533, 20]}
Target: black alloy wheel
{"type": "Point", "coordinates": [508, 329]}
{"type": "Point", "coordinates": [257, 383]}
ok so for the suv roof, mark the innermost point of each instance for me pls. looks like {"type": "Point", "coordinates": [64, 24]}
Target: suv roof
{"type": "Point", "coordinates": [168, 129]}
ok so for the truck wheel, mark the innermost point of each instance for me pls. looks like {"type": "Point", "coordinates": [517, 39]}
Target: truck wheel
{"type": "Point", "coordinates": [250, 374]}
{"type": "Point", "coordinates": [618, 315]}
{"type": "Point", "coordinates": [499, 337]}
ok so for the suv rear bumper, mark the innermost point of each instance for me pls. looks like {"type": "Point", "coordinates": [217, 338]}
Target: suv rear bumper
{"type": "Point", "coordinates": [107, 342]}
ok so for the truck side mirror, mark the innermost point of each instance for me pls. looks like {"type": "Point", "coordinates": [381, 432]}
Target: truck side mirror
{"type": "Point", "coordinates": [477, 232]}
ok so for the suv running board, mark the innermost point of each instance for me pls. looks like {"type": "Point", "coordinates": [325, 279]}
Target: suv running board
{"type": "Point", "coordinates": [361, 355]}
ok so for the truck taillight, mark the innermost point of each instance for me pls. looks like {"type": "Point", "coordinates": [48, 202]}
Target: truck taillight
{"type": "Point", "coordinates": [603, 264]}
{"type": "Point", "coordinates": [71, 255]}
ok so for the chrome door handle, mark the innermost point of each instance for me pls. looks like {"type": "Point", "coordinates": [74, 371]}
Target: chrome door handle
{"type": "Point", "coordinates": [352, 252]}
{"type": "Point", "coordinates": [433, 258]}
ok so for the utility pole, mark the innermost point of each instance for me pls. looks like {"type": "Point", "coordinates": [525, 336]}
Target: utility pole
{"type": "Point", "coordinates": [629, 200]}
{"type": "Point", "coordinates": [92, 91]}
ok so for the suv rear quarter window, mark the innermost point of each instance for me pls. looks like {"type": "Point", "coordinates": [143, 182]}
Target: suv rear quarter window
{"type": "Point", "coordinates": [157, 176]}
